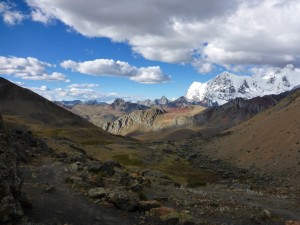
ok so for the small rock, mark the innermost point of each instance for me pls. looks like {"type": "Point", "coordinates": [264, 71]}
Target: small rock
{"type": "Point", "coordinates": [96, 181]}
{"type": "Point", "coordinates": [125, 179]}
{"type": "Point", "coordinates": [267, 213]}
{"type": "Point", "coordinates": [49, 189]}
{"type": "Point", "coordinates": [124, 200]}
{"type": "Point", "coordinates": [97, 192]}
{"type": "Point", "coordinates": [136, 187]}
{"type": "Point", "coordinates": [147, 205]}
{"type": "Point", "coordinates": [94, 166]}
{"type": "Point", "coordinates": [109, 167]}
{"type": "Point", "coordinates": [75, 167]}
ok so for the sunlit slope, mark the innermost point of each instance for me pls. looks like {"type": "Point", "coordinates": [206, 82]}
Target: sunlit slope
{"type": "Point", "coordinates": [269, 141]}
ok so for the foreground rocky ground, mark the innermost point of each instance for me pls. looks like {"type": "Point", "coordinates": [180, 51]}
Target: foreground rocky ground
{"type": "Point", "coordinates": [40, 185]}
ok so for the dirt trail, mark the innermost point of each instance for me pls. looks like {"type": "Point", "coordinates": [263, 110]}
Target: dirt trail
{"type": "Point", "coordinates": [62, 205]}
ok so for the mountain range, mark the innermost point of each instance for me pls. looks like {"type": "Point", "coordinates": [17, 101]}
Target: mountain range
{"type": "Point", "coordinates": [50, 156]}
{"type": "Point", "coordinates": [227, 86]}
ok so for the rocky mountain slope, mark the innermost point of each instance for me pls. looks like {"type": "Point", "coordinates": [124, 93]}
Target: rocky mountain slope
{"type": "Point", "coordinates": [268, 141]}
{"type": "Point", "coordinates": [152, 120]}
{"type": "Point", "coordinates": [234, 112]}
{"type": "Point", "coordinates": [27, 105]}
{"type": "Point", "coordinates": [137, 120]}
{"type": "Point", "coordinates": [227, 86]}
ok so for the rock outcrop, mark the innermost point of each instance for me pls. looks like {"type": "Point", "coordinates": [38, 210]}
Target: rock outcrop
{"type": "Point", "coordinates": [10, 181]}
{"type": "Point", "coordinates": [144, 118]}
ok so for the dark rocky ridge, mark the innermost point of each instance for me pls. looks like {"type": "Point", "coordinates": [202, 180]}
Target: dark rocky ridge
{"type": "Point", "coordinates": [235, 111]}
{"type": "Point", "coordinates": [10, 181]}
{"type": "Point", "coordinates": [15, 100]}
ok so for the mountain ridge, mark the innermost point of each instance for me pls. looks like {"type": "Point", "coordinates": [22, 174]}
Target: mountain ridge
{"type": "Point", "coordinates": [227, 86]}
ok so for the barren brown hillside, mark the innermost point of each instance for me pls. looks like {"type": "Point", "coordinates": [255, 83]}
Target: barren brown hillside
{"type": "Point", "coordinates": [269, 141]}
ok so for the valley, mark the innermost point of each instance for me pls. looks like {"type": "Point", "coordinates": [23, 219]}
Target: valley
{"type": "Point", "coordinates": [183, 164]}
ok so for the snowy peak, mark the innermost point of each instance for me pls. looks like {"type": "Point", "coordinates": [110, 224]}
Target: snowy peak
{"type": "Point", "coordinates": [227, 86]}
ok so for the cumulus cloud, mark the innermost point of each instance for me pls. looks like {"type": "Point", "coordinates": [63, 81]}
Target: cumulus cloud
{"type": "Point", "coordinates": [74, 92]}
{"type": "Point", "coordinates": [39, 16]}
{"type": "Point", "coordinates": [236, 32]}
{"type": "Point", "coordinates": [109, 67]}
{"type": "Point", "coordinates": [10, 16]}
{"type": "Point", "coordinates": [29, 69]}
{"type": "Point", "coordinates": [83, 85]}
{"type": "Point", "coordinates": [266, 72]}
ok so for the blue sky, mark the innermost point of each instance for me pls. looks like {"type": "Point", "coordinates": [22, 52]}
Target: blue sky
{"type": "Point", "coordinates": [133, 49]}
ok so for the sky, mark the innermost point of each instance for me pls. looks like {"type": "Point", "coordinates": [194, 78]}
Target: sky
{"type": "Point", "coordinates": [139, 49]}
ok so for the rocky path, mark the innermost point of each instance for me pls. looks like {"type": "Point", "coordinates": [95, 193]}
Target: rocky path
{"type": "Point", "coordinates": [53, 202]}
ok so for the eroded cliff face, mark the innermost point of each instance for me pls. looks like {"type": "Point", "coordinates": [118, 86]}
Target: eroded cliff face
{"type": "Point", "coordinates": [139, 118]}
{"type": "Point", "coordinates": [10, 181]}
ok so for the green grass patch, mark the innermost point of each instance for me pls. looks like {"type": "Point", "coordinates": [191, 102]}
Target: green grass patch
{"type": "Point", "coordinates": [131, 159]}
{"type": "Point", "coordinates": [182, 172]}
{"type": "Point", "coordinates": [98, 141]}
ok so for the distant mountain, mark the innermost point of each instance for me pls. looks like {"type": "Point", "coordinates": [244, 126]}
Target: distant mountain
{"type": "Point", "coordinates": [179, 103]}
{"type": "Point", "coordinates": [68, 103]}
{"type": "Point", "coordinates": [162, 101]}
{"type": "Point", "coordinates": [78, 102]}
{"type": "Point", "coordinates": [227, 86]}
{"type": "Point", "coordinates": [146, 102]}
{"type": "Point", "coordinates": [121, 105]}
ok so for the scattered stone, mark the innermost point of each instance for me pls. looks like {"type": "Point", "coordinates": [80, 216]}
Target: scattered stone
{"type": "Point", "coordinates": [97, 192]}
{"type": "Point", "coordinates": [136, 187]}
{"type": "Point", "coordinates": [267, 213]}
{"type": "Point", "coordinates": [96, 181]}
{"type": "Point", "coordinates": [125, 179]}
{"type": "Point", "coordinates": [49, 189]}
{"type": "Point", "coordinates": [168, 216]}
{"type": "Point", "coordinates": [94, 166]}
{"type": "Point", "coordinates": [109, 167]}
{"type": "Point", "coordinates": [147, 205]}
{"type": "Point", "coordinates": [75, 167]}
{"type": "Point", "coordinates": [127, 201]}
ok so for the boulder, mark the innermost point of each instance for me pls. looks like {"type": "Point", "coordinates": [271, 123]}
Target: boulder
{"type": "Point", "coordinates": [125, 200]}
{"type": "Point", "coordinates": [109, 167]}
{"type": "Point", "coordinates": [97, 192]}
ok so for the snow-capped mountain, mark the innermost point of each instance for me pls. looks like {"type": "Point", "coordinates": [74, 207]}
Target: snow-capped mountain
{"type": "Point", "coordinates": [227, 86]}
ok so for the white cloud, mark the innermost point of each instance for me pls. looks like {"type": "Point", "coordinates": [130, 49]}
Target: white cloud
{"type": "Point", "coordinates": [150, 75]}
{"type": "Point", "coordinates": [28, 69]}
{"type": "Point", "coordinates": [202, 67]}
{"type": "Point", "coordinates": [10, 16]}
{"type": "Point", "coordinates": [73, 93]}
{"type": "Point", "coordinates": [238, 32]}
{"type": "Point", "coordinates": [83, 85]}
{"type": "Point", "coordinates": [39, 16]}
{"type": "Point", "coordinates": [109, 67]}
